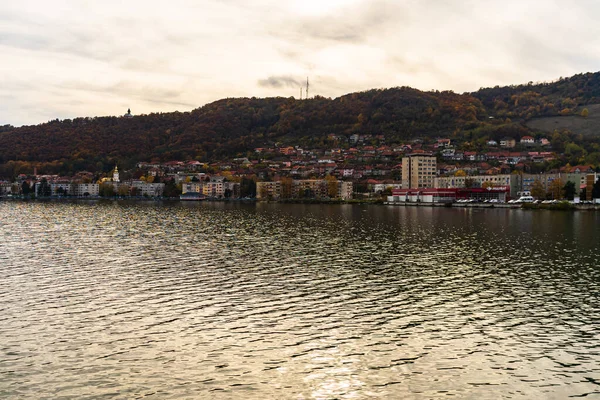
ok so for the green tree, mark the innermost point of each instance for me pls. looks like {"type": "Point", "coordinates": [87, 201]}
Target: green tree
{"type": "Point", "coordinates": [171, 189]}
{"type": "Point", "coordinates": [25, 188]}
{"type": "Point", "coordinates": [596, 190]}
{"type": "Point", "coordinates": [569, 190]}
{"type": "Point", "coordinates": [248, 187]}
{"type": "Point", "coordinates": [44, 189]}
{"type": "Point", "coordinates": [106, 190]}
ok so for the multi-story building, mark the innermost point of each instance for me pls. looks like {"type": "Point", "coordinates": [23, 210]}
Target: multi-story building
{"type": "Point", "coordinates": [418, 171]}
{"type": "Point", "coordinates": [191, 187]}
{"type": "Point", "coordinates": [305, 188]}
{"type": "Point", "coordinates": [578, 179]}
{"type": "Point", "coordinates": [310, 188]}
{"type": "Point", "coordinates": [215, 188]}
{"type": "Point", "coordinates": [84, 189]}
{"type": "Point", "coordinates": [345, 190]}
{"type": "Point", "coordinates": [148, 189]}
{"type": "Point", "coordinates": [513, 182]}
{"type": "Point", "coordinates": [268, 190]}
{"type": "Point", "coordinates": [5, 188]}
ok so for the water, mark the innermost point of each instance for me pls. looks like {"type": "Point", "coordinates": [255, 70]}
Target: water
{"type": "Point", "coordinates": [266, 301]}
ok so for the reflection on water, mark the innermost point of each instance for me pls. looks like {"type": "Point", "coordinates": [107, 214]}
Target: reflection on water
{"type": "Point", "coordinates": [275, 301]}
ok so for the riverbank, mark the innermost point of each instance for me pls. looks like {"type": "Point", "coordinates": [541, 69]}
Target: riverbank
{"type": "Point", "coordinates": [562, 206]}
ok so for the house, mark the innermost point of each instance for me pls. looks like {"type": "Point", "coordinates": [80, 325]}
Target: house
{"type": "Point", "coordinates": [581, 169]}
{"type": "Point", "coordinates": [508, 142]}
{"type": "Point", "coordinates": [527, 140]}
{"type": "Point", "coordinates": [544, 142]}
{"type": "Point", "coordinates": [470, 155]}
{"type": "Point", "coordinates": [492, 143]}
{"type": "Point", "coordinates": [445, 143]}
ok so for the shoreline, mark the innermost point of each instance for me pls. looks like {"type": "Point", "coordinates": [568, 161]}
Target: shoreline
{"type": "Point", "coordinates": [563, 206]}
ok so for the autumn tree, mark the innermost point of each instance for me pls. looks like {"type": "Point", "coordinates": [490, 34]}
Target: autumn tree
{"type": "Point", "coordinates": [123, 190]}
{"type": "Point", "coordinates": [332, 186]}
{"type": "Point", "coordinates": [537, 190]}
{"type": "Point", "coordinates": [106, 190]}
{"type": "Point", "coordinates": [555, 189]}
{"type": "Point", "coordinates": [585, 113]}
{"type": "Point", "coordinates": [286, 188]}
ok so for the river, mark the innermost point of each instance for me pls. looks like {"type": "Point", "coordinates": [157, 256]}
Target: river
{"type": "Point", "coordinates": [278, 301]}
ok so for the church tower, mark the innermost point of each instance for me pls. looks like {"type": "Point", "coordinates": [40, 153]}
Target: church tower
{"type": "Point", "coordinates": [116, 174]}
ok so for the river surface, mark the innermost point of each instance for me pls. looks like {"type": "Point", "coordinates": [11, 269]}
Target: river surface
{"type": "Point", "coordinates": [272, 301]}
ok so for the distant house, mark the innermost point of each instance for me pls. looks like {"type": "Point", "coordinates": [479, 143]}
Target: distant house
{"type": "Point", "coordinates": [470, 155]}
{"type": "Point", "coordinates": [508, 142]}
{"type": "Point", "coordinates": [579, 169]}
{"type": "Point", "coordinates": [442, 143]}
{"type": "Point", "coordinates": [527, 140]}
{"type": "Point", "coordinates": [492, 143]}
{"type": "Point", "coordinates": [544, 142]}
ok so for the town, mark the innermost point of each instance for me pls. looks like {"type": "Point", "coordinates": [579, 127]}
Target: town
{"type": "Point", "coordinates": [358, 167]}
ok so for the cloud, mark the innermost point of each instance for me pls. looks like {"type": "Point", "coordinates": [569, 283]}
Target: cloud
{"type": "Point", "coordinates": [73, 58]}
{"type": "Point", "coordinates": [280, 82]}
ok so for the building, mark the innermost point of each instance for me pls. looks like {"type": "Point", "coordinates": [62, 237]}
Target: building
{"type": "Point", "coordinates": [147, 189]}
{"type": "Point", "coordinates": [84, 189]}
{"type": "Point", "coordinates": [5, 188]}
{"type": "Point", "coordinates": [217, 187]}
{"type": "Point", "coordinates": [578, 179]}
{"type": "Point", "coordinates": [268, 190]}
{"type": "Point", "coordinates": [304, 188]}
{"type": "Point", "coordinates": [428, 195]}
{"type": "Point", "coordinates": [527, 140]}
{"type": "Point", "coordinates": [345, 190]}
{"type": "Point", "coordinates": [418, 171]}
{"type": "Point", "coordinates": [512, 182]}
{"type": "Point", "coordinates": [508, 142]}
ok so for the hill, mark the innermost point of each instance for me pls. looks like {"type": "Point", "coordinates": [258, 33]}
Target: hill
{"type": "Point", "coordinates": [234, 127]}
{"type": "Point", "coordinates": [588, 126]}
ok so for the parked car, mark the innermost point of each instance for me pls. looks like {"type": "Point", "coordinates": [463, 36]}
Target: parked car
{"type": "Point", "coordinates": [525, 199]}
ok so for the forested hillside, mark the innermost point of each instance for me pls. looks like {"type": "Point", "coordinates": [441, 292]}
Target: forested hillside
{"type": "Point", "coordinates": [234, 127]}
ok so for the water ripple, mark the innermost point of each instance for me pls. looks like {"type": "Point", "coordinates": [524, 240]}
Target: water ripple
{"type": "Point", "coordinates": [126, 300]}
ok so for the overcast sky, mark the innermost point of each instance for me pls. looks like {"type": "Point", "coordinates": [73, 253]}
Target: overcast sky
{"type": "Point", "coordinates": [72, 58]}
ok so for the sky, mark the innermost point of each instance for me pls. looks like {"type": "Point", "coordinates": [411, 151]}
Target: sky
{"type": "Point", "coordinates": [77, 58]}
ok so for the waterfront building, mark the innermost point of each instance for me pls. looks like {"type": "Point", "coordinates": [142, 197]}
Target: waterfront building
{"type": "Point", "coordinates": [84, 189]}
{"type": "Point", "coordinates": [579, 179]}
{"type": "Point", "coordinates": [440, 195]}
{"type": "Point", "coordinates": [345, 190]}
{"type": "Point", "coordinates": [147, 189]}
{"type": "Point", "coordinates": [217, 187]}
{"type": "Point", "coordinates": [513, 182]}
{"type": "Point", "coordinates": [303, 188]}
{"type": "Point", "coordinates": [268, 190]}
{"type": "Point", "coordinates": [60, 189]}
{"type": "Point", "coordinates": [5, 188]}
{"type": "Point", "coordinates": [418, 171]}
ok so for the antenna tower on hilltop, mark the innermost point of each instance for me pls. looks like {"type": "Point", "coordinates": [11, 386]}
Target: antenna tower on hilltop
{"type": "Point", "coordinates": [300, 92]}
{"type": "Point", "coordinates": [307, 87]}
